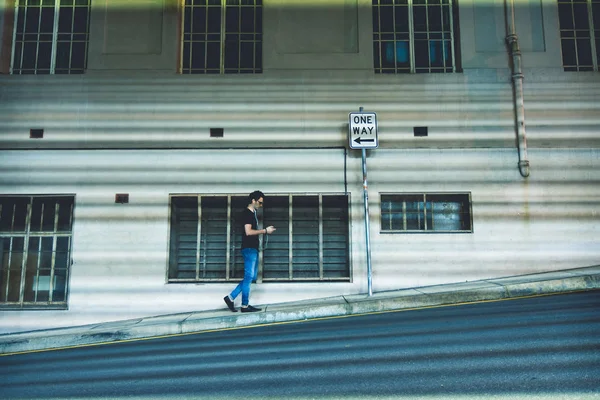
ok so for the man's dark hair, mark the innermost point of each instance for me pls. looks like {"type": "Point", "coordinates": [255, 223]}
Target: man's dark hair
{"type": "Point", "coordinates": [257, 194]}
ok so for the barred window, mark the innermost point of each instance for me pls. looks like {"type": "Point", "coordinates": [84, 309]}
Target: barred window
{"type": "Point", "coordinates": [435, 212]}
{"type": "Point", "coordinates": [35, 236]}
{"type": "Point", "coordinates": [50, 37]}
{"type": "Point", "coordinates": [414, 36]}
{"type": "Point", "coordinates": [222, 37]}
{"type": "Point", "coordinates": [311, 242]}
{"type": "Point", "coordinates": [580, 34]}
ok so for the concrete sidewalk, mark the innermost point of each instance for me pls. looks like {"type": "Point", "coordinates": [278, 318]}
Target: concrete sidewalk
{"type": "Point", "coordinates": [491, 289]}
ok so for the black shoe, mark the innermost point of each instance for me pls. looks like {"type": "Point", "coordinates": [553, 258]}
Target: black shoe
{"type": "Point", "coordinates": [229, 304]}
{"type": "Point", "coordinates": [250, 309]}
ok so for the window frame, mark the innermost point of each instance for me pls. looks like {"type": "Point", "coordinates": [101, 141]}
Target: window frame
{"type": "Point", "coordinates": [420, 196]}
{"type": "Point", "coordinates": [576, 35]}
{"type": "Point", "coordinates": [57, 38]}
{"type": "Point", "coordinates": [27, 234]}
{"type": "Point", "coordinates": [380, 37]}
{"type": "Point", "coordinates": [233, 268]}
{"type": "Point", "coordinates": [293, 275]}
{"type": "Point", "coordinates": [224, 37]}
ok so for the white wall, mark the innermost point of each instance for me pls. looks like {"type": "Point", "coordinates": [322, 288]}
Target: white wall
{"type": "Point", "coordinates": [120, 250]}
{"type": "Point", "coordinates": [461, 111]}
{"type": "Point", "coordinates": [546, 222]}
{"type": "Point", "coordinates": [285, 131]}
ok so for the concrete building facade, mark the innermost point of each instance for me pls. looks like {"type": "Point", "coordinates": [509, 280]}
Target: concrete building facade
{"type": "Point", "coordinates": [122, 174]}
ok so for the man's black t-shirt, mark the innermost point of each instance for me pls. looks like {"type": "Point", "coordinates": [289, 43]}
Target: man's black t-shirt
{"type": "Point", "coordinates": [249, 242]}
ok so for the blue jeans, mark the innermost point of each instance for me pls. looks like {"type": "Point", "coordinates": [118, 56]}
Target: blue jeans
{"type": "Point", "coordinates": [250, 274]}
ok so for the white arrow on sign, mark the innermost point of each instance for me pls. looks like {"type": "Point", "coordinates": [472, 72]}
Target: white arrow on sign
{"type": "Point", "coordinates": [362, 132]}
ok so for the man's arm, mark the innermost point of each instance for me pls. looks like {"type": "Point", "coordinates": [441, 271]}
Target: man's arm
{"type": "Point", "coordinates": [254, 232]}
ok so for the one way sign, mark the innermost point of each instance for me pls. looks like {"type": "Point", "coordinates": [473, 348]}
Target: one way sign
{"type": "Point", "coordinates": [363, 130]}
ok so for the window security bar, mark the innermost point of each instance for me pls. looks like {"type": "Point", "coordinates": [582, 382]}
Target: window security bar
{"type": "Point", "coordinates": [311, 242]}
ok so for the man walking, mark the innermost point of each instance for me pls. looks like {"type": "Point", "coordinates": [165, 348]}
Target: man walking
{"type": "Point", "coordinates": [250, 234]}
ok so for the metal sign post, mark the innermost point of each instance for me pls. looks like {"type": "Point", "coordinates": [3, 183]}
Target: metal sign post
{"type": "Point", "coordinates": [367, 235]}
{"type": "Point", "coordinates": [362, 134]}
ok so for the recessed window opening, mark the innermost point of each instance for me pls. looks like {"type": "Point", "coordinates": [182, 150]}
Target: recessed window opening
{"type": "Point", "coordinates": [411, 36]}
{"type": "Point", "coordinates": [311, 242]}
{"type": "Point", "coordinates": [426, 212]}
{"type": "Point", "coordinates": [35, 238]}
{"type": "Point", "coordinates": [579, 22]}
{"type": "Point", "coordinates": [222, 37]}
{"type": "Point", "coordinates": [50, 37]}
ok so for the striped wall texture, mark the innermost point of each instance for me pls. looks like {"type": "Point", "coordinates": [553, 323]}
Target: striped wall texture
{"type": "Point", "coordinates": [149, 136]}
{"type": "Point", "coordinates": [461, 111]}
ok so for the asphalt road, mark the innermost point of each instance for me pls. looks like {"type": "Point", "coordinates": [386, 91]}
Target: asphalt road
{"type": "Point", "coordinates": [543, 347]}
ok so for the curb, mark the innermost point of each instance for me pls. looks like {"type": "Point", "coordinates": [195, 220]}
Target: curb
{"type": "Point", "coordinates": [584, 279]}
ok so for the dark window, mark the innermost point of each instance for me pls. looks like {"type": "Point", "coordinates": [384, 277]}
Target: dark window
{"type": "Point", "coordinates": [311, 242]}
{"type": "Point", "coordinates": [435, 212]}
{"type": "Point", "coordinates": [51, 37]}
{"type": "Point", "coordinates": [36, 237]}
{"type": "Point", "coordinates": [222, 37]}
{"type": "Point", "coordinates": [414, 36]}
{"type": "Point", "coordinates": [579, 22]}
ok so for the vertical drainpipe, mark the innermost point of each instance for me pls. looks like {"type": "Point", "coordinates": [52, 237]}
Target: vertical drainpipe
{"type": "Point", "coordinates": [517, 80]}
